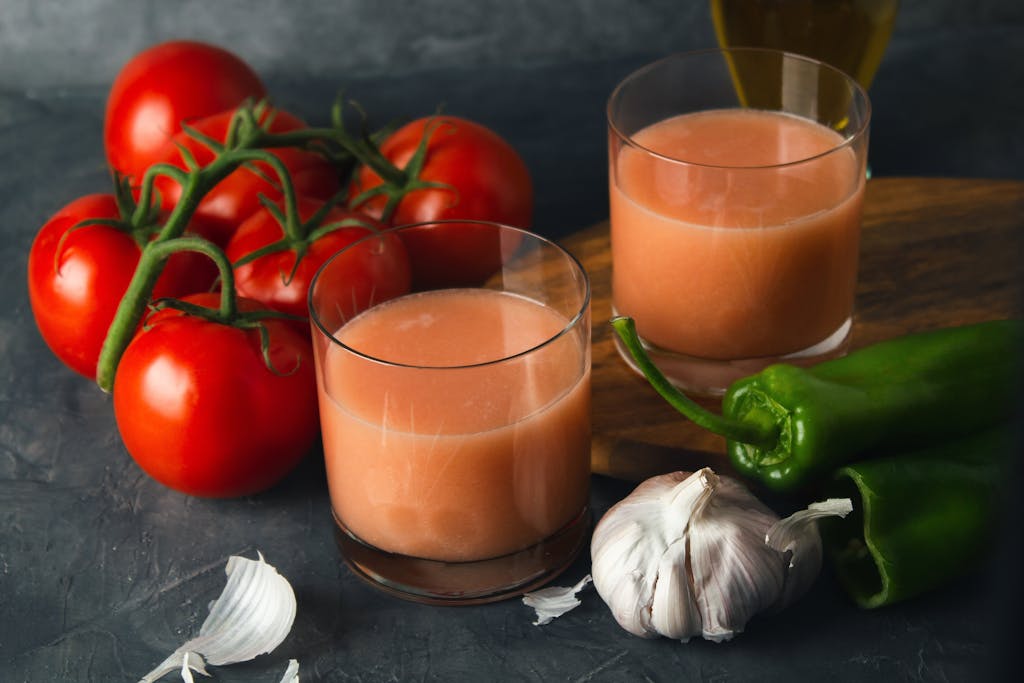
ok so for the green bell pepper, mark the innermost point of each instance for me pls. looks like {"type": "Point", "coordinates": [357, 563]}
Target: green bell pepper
{"type": "Point", "coordinates": [789, 427]}
{"type": "Point", "coordinates": [919, 518]}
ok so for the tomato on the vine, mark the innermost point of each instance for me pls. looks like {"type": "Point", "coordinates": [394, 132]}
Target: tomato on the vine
{"type": "Point", "coordinates": [477, 174]}
{"type": "Point", "coordinates": [199, 409]}
{"type": "Point", "coordinates": [164, 85]}
{"type": "Point", "coordinates": [275, 280]}
{"type": "Point", "coordinates": [236, 197]}
{"type": "Point", "coordinates": [78, 275]}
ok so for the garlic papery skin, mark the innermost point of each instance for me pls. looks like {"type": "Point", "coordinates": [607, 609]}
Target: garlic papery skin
{"type": "Point", "coordinates": [685, 555]}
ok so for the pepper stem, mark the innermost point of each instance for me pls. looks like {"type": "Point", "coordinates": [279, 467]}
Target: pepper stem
{"type": "Point", "coordinates": [762, 434]}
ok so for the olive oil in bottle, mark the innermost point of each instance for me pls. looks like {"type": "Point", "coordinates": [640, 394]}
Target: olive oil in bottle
{"type": "Point", "coordinates": [851, 35]}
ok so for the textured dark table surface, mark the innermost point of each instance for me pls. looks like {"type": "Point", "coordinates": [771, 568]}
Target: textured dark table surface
{"type": "Point", "coordinates": [103, 572]}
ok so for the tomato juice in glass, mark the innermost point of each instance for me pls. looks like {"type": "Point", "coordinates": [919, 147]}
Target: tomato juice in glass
{"type": "Point", "coordinates": [456, 427]}
{"type": "Point", "coordinates": [735, 229]}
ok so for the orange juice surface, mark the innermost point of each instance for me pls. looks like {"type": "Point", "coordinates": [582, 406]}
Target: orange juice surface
{"type": "Point", "coordinates": [446, 451]}
{"type": "Point", "coordinates": [728, 254]}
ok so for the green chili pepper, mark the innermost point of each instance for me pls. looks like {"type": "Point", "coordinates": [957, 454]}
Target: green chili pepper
{"type": "Point", "coordinates": [788, 427]}
{"type": "Point", "coordinates": [919, 518]}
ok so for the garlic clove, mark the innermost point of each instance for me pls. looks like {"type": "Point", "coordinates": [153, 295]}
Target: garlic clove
{"type": "Point", "coordinates": [674, 610]}
{"type": "Point", "coordinates": [252, 616]}
{"type": "Point", "coordinates": [735, 575]}
{"type": "Point", "coordinates": [628, 544]}
{"type": "Point", "coordinates": [554, 601]}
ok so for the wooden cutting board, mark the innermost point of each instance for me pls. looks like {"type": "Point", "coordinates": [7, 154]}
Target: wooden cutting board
{"type": "Point", "coordinates": [934, 253]}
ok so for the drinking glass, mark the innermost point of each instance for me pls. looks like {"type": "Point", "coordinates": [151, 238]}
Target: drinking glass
{"type": "Point", "coordinates": [736, 183]}
{"type": "Point", "coordinates": [455, 413]}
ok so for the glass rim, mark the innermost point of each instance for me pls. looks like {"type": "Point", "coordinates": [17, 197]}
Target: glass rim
{"type": "Point", "coordinates": [847, 142]}
{"type": "Point", "coordinates": [572, 322]}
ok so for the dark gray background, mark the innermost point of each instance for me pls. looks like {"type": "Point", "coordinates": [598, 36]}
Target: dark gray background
{"type": "Point", "coordinates": [947, 98]}
{"type": "Point", "coordinates": [103, 572]}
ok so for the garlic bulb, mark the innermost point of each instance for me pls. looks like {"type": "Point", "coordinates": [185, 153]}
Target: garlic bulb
{"type": "Point", "coordinates": [688, 554]}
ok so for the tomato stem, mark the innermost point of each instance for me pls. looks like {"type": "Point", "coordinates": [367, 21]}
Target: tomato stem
{"type": "Point", "coordinates": [133, 304]}
{"type": "Point", "coordinates": [364, 147]}
{"type": "Point", "coordinates": [246, 141]}
{"type": "Point", "coordinates": [195, 183]}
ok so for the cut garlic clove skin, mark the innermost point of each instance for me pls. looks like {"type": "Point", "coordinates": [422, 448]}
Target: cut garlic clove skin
{"type": "Point", "coordinates": [180, 660]}
{"type": "Point", "coordinates": [787, 534]}
{"type": "Point", "coordinates": [252, 616]}
{"type": "Point", "coordinates": [797, 536]}
{"type": "Point", "coordinates": [188, 665]}
{"type": "Point", "coordinates": [554, 601]}
{"type": "Point", "coordinates": [291, 674]}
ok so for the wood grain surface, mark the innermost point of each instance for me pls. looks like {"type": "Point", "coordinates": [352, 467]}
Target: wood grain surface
{"type": "Point", "coordinates": [934, 253]}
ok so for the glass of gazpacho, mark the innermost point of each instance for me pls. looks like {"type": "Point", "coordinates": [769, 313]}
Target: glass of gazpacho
{"type": "Point", "coordinates": [455, 408]}
{"type": "Point", "coordinates": [736, 180]}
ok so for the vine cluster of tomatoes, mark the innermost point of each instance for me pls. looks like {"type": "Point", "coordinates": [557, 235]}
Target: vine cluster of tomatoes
{"type": "Point", "coordinates": [183, 290]}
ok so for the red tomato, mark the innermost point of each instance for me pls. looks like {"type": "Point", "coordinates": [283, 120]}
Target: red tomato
{"type": "Point", "coordinates": [487, 180]}
{"type": "Point", "coordinates": [275, 281]}
{"type": "Point", "coordinates": [161, 87]}
{"type": "Point", "coordinates": [237, 197]}
{"type": "Point", "coordinates": [75, 286]}
{"type": "Point", "coordinates": [199, 410]}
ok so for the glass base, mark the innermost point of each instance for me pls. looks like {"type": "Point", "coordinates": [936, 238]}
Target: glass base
{"type": "Point", "coordinates": [707, 377]}
{"type": "Point", "coordinates": [464, 583]}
